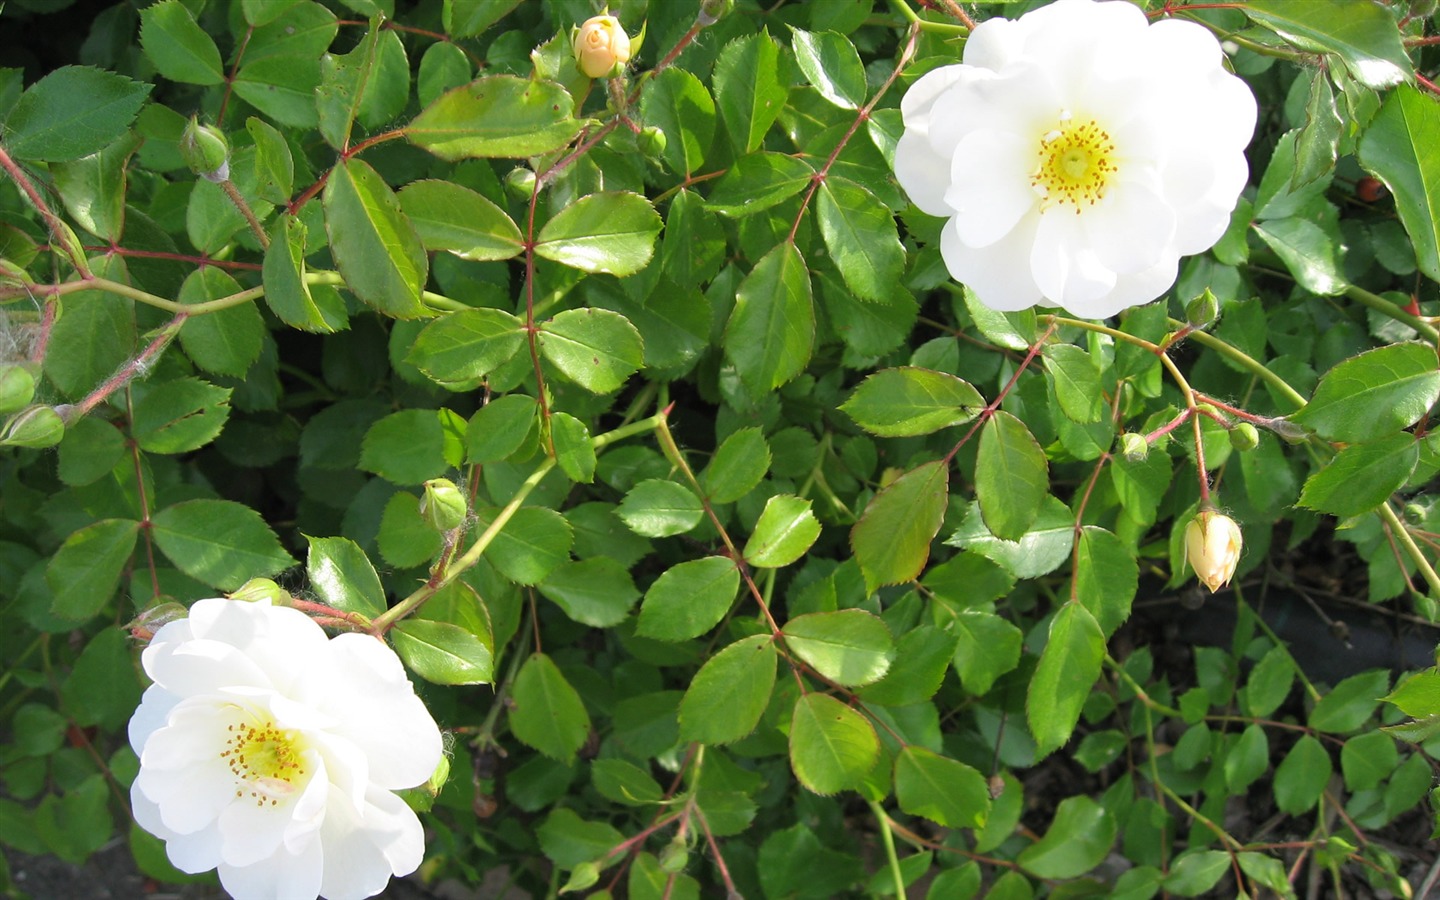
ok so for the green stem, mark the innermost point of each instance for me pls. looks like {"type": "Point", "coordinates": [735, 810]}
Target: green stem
{"type": "Point", "coordinates": [944, 28]}
{"type": "Point", "coordinates": [889, 840]}
{"type": "Point", "coordinates": [1275, 639]}
{"type": "Point", "coordinates": [1144, 698]}
{"type": "Point", "coordinates": [1427, 571]}
{"type": "Point", "coordinates": [1249, 363]}
{"type": "Point", "coordinates": [1380, 304]}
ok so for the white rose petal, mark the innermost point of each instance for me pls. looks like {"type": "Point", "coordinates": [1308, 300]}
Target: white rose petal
{"type": "Point", "coordinates": [1078, 152]}
{"type": "Point", "coordinates": [271, 753]}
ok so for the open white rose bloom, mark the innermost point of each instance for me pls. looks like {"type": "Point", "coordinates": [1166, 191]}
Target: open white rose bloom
{"type": "Point", "coordinates": [1078, 152]}
{"type": "Point", "coordinates": [272, 753]}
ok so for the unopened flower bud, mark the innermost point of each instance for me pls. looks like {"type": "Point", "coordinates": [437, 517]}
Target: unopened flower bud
{"type": "Point", "coordinates": [1202, 310]}
{"type": "Point", "coordinates": [712, 11]}
{"type": "Point", "coordinates": [443, 505]}
{"type": "Point", "coordinates": [17, 388]}
{"type": "Point", "coordinates": [520, 183]}
{"type": "Point", "coordinates": [257, 589]}
{"type": "Point", "coordinates": [581, 877]}
{"type": "Point", "coordinates": [1212, 546]}
{"type": "Point", "coordinates": [155, 617]}
{"type": "Point", "coordinates": [421, 797]}
{"type": "Point", "coordinates": [1134, 446]}
{"type": "Point", "coordinates": [652, 142]}
{"type": "Point", "coordinates": [35, 426]}
{"type": "Point", "coordinates": [602, 48]}
{"type": "Point", "coordinates": [205, 151]}
{"type": "Point", "coordinates": [675, 856]}
{"type": "Point", "coordinates": [1244, 436]}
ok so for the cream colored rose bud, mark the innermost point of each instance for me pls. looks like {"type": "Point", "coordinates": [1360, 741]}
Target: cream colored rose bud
{"type": "Point", "coordinates": [601, 46]}
{"type": "Point", "coordinates": [1212, 545]}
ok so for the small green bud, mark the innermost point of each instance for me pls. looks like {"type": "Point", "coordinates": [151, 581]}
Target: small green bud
{"type": "Point", "coordinates": [1244, 436]}
{"type": "Point", "coordinates": [17, 388]}
{"type": "Point", "coordinates": [421, 797]}
{"type": "Point", "coordinates": [35, 426]}
{"type": "Point", "coordinates": [652, 142]}
{"type": "Point", "coordinates": [205, 151]}
{"type": "Point", "coordinates": [1203, 310]}
{"type": "Point", "coordinates": [1415, 513]}
{"type": "Point", "coordinates": [712, 11]}
{"type": "Point", "coordinates": [257, 589]}
{"type": "Point", "coordinates": [443, 505]}
{"type": "Point", "coordinates": [1134, 447]}
{"type": "Point", "coordinates": [674, 857]}
{"type": "Point", "coordinates": [520, 183]}
{"type": "Point", "coordinates": [581, 877]}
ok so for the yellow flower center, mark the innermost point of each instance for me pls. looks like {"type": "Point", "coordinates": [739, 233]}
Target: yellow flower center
{"type": "Point", "coordinates": [267, 762]}
{"type": "Point", "coordinates": [1077, 161]}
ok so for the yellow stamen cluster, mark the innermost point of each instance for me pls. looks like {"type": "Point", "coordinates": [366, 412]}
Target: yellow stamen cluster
{"type": "Point", "coordinates": [1076, 164]}
{"type": "Point", "coordinates": [267, 762]}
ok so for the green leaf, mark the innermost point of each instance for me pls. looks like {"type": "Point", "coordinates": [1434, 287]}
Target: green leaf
{"type": "Point", "coordinates": [737, 467]}
{"type": "Point", "coordinates": [533, 543]}
{"type": "Point", "coordinates": [1248, 759]}
{"type": "Point", "coordinates": [103, 688]}
{"type": "Point", "coordinates": [597, 592]}
{"type": "Point", "coordinates": [611, 232]}
{"type": "Point", "coordinates": [1363, 35]}
{"type": "Point", "coordinates": [1374, 394]}
{"type": "Point", "coordinates": [1044, 547]}
{"type": "Point", "coordinates": [1068, 668]}
{"type": "Point", "coordinates": [442, 67]}
{"type": "Point", "coordinates": [1011, 330]}
{"type": "Point", "coordinates": [89, 451]}
{"type": "Point", "coordinates": [850, 647]}
{"type": "Point", "coordinates": [443, 653]}
{"type": "Point", "coordinates": [859, 231]}
{"type": "Point", "coordinates": [892, 539]}
{"type": "Point", "coordinates": [625, 783]}
{"type": "Point", "coordinates": [909, 401]}
{"type": "Point", "coordinates": [1308, 252]}
{"type": "Point", "coordinates": [406, 447]}
{"type": "Point", "coordinates": [1367, 759]}
{"type": "Point", "coordinates": [831, 745]}
{"type": "Point", "coordinates": [783, 534]}
{"type": "Point", "coordinates": [772, 327]}
{"type": "Point", "coordinates": [595, 348]}
{"type": "Point", "coordinates": [1401, 147]}
{"type": "Point", "coordinates": [943, 790]}
{"type": "Point", "coordinates": [467, 18]}
{"type": "Point", "coordinates": [179, 48]}
{"type": "Point", "coordinates": [1351, 703]}
{"type": "Point", "coordinates": [1080, 836]}
{"type": "Point", "coordinates": [678, 104]}
{"type": "Point", "coordinates": [1317, 144]}
{"type": "Point", "coordinates": [177, 416]}
{"type": "Point", "coordinates": [748, 89]}
{"type": "Point", "coordinates": [97, 330]}
{"type": "Point", "coordinates": [86, 569]}
{"type": "Point", "coordinates": [829, 62]}
{"type": "Point", "coordinates": [1106, 577]}
{"type": "Point", "coordinates": [569, 840]}
{"type": "Point", "coordinates": [759, 181]}
{"type": "Point", "coordinates": [1301, 777]}
{"type": "Point", "coordinates": [1196, 872]}
{"type": "Point", "coordinates": [574, 451]}
{"type": "Point", "coordinates": [730, 692]}
{"type": "Point", "coordinates": [496, 115]}
{"type": "Point", "coordinates": [303, 30]}
{"type": "Point", "coordinates": [283, 86]}
{"type": "Point", "coordinates": [219, 542]}
{"type": "Point", "coordinates": [689, 599]}
{"type": "Point", "coordinates": [467, 345]}
{"type": "Point", "coordinates": [457, 220]}
{"type": "Point", "coordinates": [1270, 682]}
{"type": "Point", "coordinates": [501, 427]}
{"type": "Point", "coordinates": [341, 573]}
{"type": "Point", "coordinates": [405, 538]}
{"type": "Point", "coordinates": [72, 112]}
{"type": "Point", "coordinates": [989, 647]}
{"type": "Point", "coordinates": [226, 341]}
{"type": "Point", "coordinates": [274, 164]}
{"type": "Point", "coordinates": [1012, 476]}
{"type": "Point", "coordinates": [299, 305]}
{"type": "Point", "coordinates": [1417, 695]}
{"type": "Point", "coordinates": [548, 714]}
{"type": "Point", "coordinates": [93, 187]}
{"type": "Point", "coordinates": [1362, 476]}
{"type": "Point", "coordinates": [659, 508]}
{"type": "Point", "coordinates": [1077, 382]}
{"type": "Point", "coordinates": [375, 246]}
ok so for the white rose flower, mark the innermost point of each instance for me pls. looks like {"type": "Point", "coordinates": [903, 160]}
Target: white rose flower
{"type": "Point", "coordinates": [1078, 152]}
{"type": "Point", "coordinates": [272, 753]}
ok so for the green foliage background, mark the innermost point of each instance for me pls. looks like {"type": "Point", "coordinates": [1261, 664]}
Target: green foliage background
{"type": "Point", "coordinates": [784, 566]}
